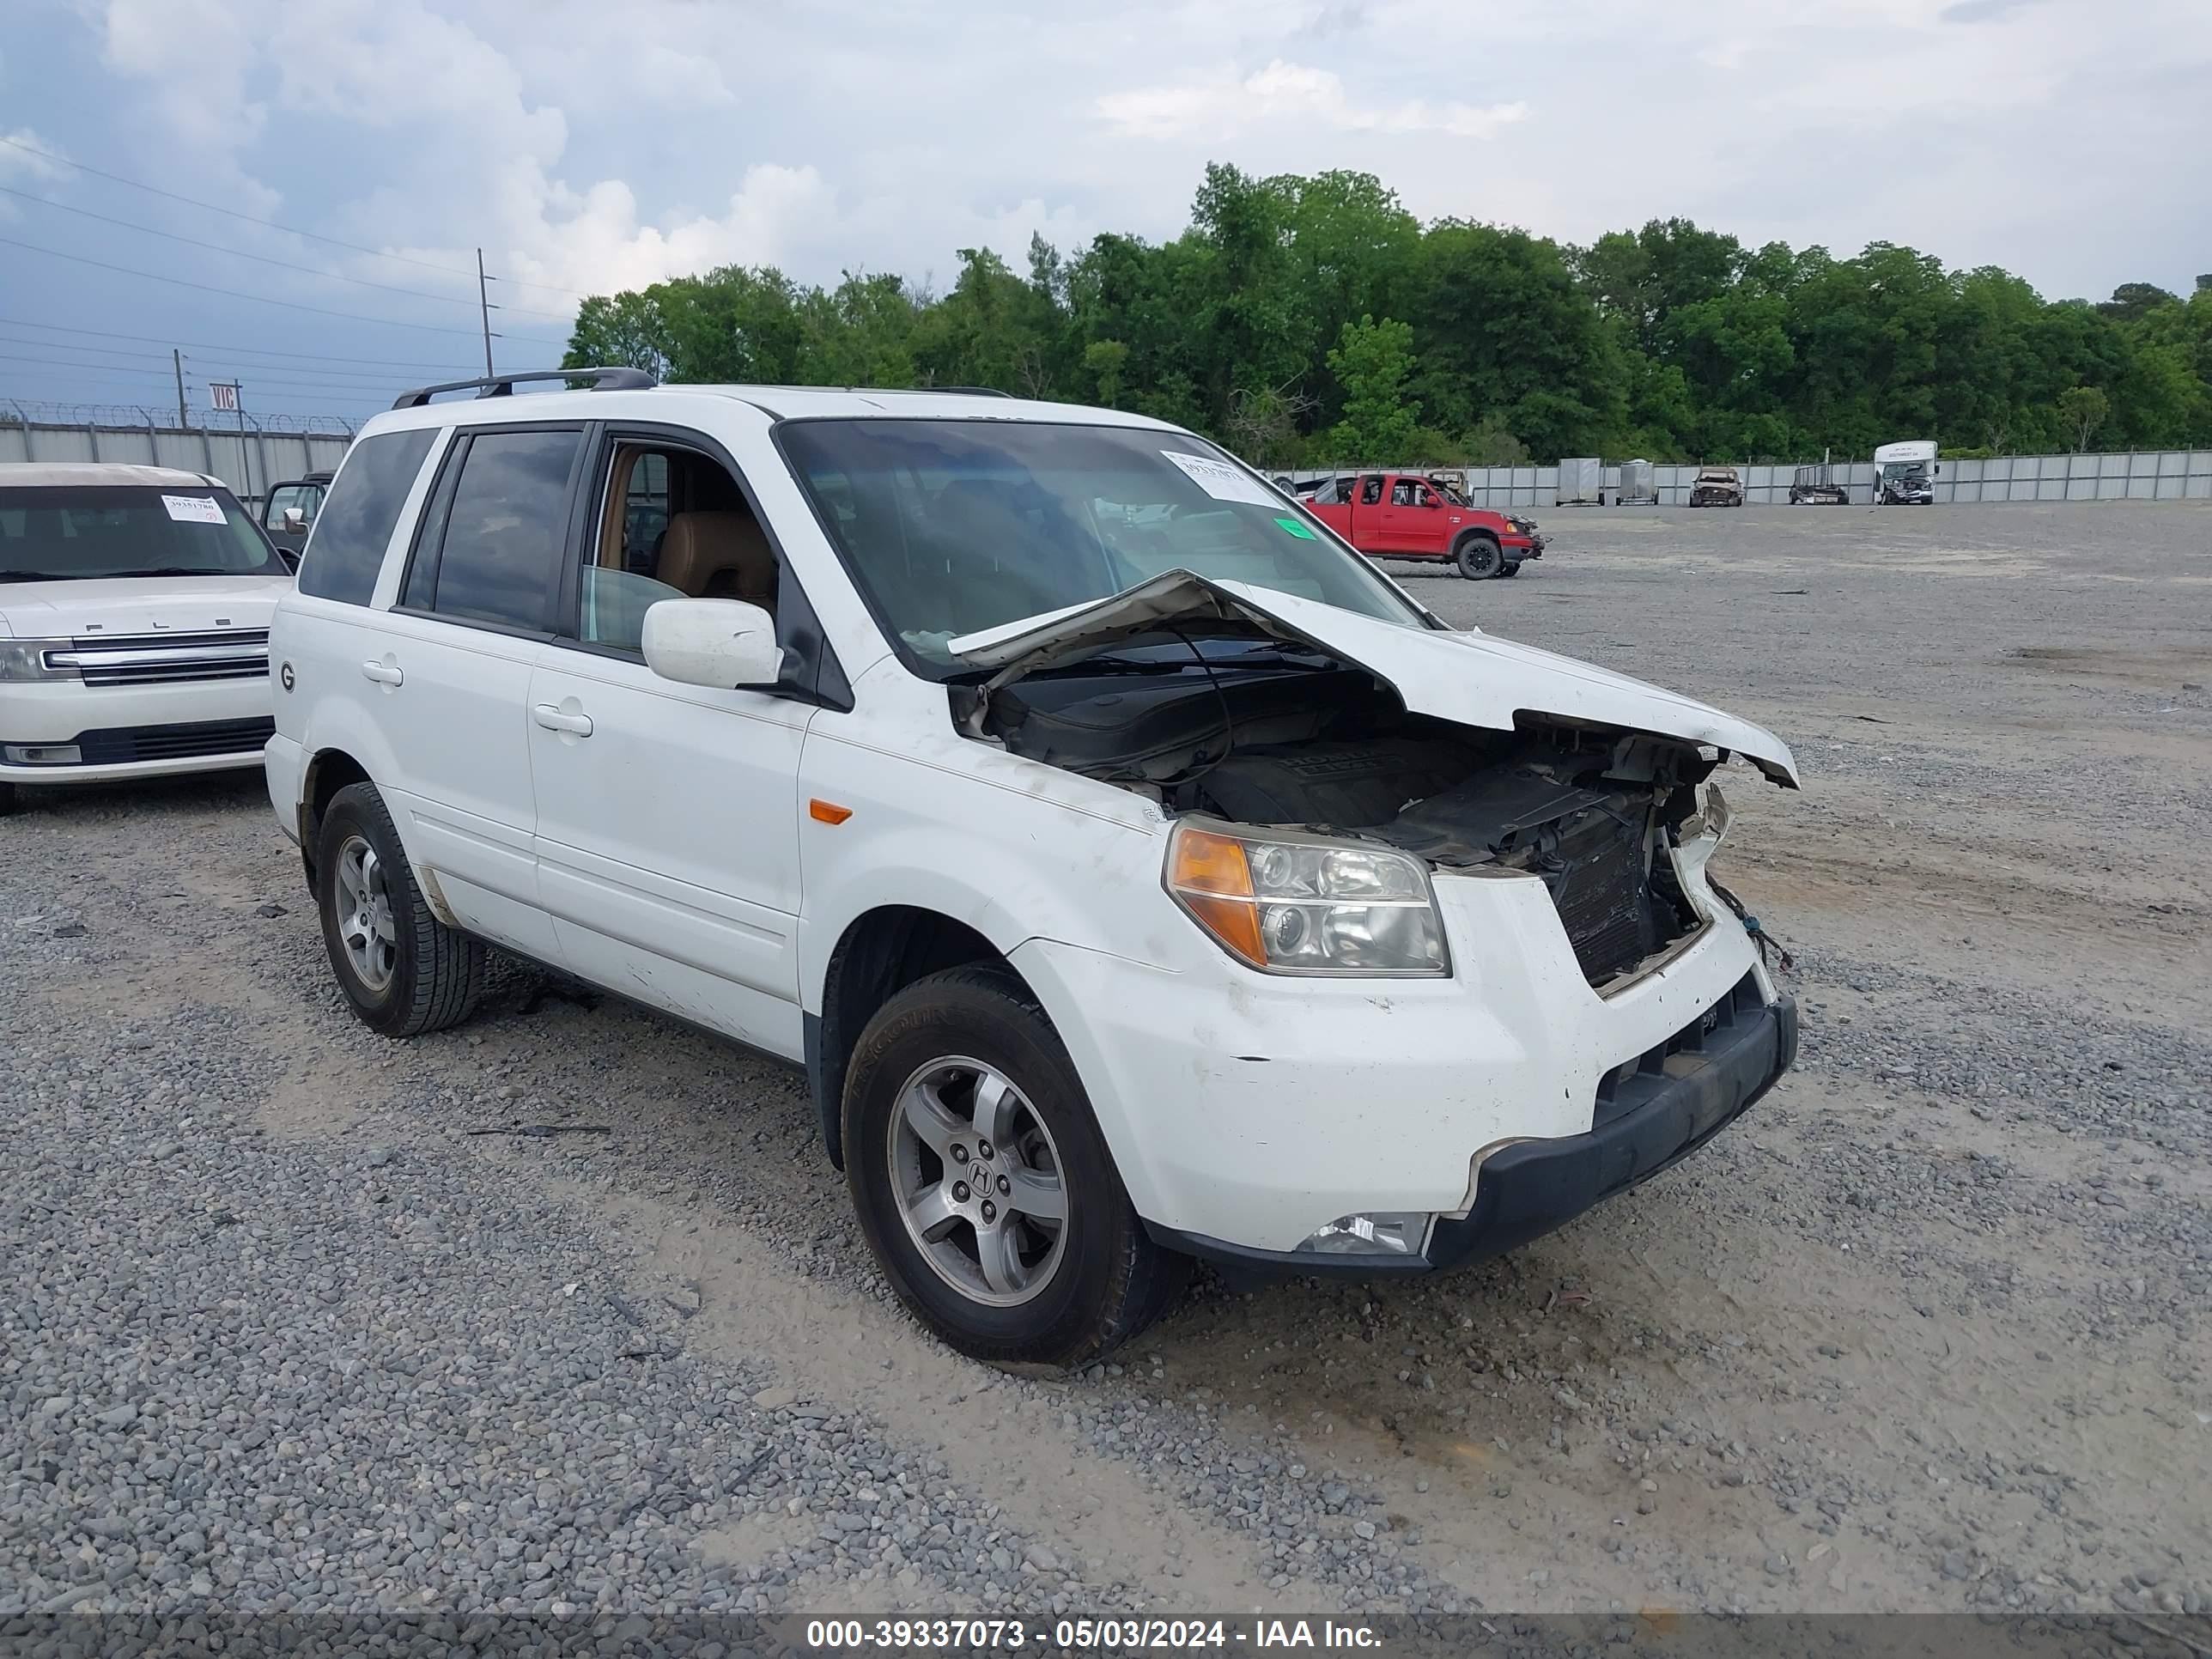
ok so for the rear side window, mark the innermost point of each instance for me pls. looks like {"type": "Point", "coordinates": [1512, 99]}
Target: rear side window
{"type": "Point", "coordinates": [506, 534]}
{"type": "Point", "coordinates": [354, 525]}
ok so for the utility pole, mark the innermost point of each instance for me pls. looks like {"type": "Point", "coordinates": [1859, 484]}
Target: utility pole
{"type": "Point", "coordinates": [484, 309]}
{"type": "Point", "coordinates": [178, 357]}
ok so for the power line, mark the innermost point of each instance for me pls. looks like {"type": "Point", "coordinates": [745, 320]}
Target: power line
{"type": "Point", "coordinates": [378, 253]}
{"type": "Point", "coordinates": [211, 345]}
{"type": "Point", "coordinates": [259, 258]}
{"type": "Point", "coordinates": [364, 385]}
{"type": "Point", "coordinates": [282, 371]}
{"type": "Point", "coordinates": [257, 299]}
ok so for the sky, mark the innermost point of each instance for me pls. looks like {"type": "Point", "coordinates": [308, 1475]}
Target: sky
{"type": "Point", "coordinates": [589, 147]}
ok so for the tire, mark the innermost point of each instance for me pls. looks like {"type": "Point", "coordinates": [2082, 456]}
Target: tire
{"type": "Point", "coordinates": [6, 798]}
{"type": "Point", "coordinates": [1477, 556]}
{"type": "Point", "coordinates": [1511, 569]}
{"type": "Point", "coordinates": [431, 975]}
{"type": "Point", "coordinates": [1065, 1292]}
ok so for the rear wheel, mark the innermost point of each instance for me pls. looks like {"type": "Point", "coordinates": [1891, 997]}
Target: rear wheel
{"type": "Point", "coordinates": [983, 1184]}
{"type": "Point", "coordinates": [404, 971]}
{"type": "Point", "coordinates": [1477, 556]}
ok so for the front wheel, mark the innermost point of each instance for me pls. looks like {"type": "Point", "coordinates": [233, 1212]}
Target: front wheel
{"type": "Point", "coordinates": [1512, 569]}
{"type": "Point", "coordinates": [403, 971]}
{"type": "Point", "coordinates": [983, 1184]}
{"type": "Point", "coordinates": [6, 798]}
{"type": "Point", "coordinates": [1478, 557]}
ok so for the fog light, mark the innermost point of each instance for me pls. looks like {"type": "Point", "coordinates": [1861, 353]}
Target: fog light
{"type": "Point", "coordinates": [42, 754]}
{"type": "Point", "coordinates": [1383, 1233]}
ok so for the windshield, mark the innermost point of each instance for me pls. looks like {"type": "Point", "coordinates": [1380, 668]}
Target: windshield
{"type": "Point", "coordinates": [78, 532]}
{"type": "Point", "coordinates": [1898, 471]}
{"type": "Point", "coordinates": [952, 527]}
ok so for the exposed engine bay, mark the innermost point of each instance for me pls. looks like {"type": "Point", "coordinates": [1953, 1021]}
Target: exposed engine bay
{"type": "Point", "coordinates": [1261, 732]}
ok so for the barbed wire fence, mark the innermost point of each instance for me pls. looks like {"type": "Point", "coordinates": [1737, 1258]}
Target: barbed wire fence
{"type": "Point", "coordinates": [25, 412]}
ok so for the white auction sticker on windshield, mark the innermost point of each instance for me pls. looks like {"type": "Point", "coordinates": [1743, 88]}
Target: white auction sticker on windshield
{"type": "Point", "coordinates": [1222, 481]}
{"type": "Point", "coordinates": [193, 509]}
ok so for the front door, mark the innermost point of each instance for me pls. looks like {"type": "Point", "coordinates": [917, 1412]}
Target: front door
{"type": "Point", "coordinates": [1405, 525]}
{"type": "Point", "coordinates": [668, 815]}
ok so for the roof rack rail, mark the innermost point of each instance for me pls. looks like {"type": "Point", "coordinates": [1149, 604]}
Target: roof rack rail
{"type": "Point", "coordinates": [966, 390]}
{"type": "Point", "coordinates": [502, 386]}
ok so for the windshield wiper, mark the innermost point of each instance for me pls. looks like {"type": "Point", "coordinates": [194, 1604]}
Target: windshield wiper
{"type": "Point", "coordinates": [169, 571]}
{"type": "Point", "coordinates": [37, 576]}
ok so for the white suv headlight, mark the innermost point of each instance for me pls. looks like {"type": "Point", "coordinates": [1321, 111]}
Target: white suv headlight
{"type": "Point", "coordinates": [25, 659]}
{"type": "Point", "coordinates": [1292, 904]}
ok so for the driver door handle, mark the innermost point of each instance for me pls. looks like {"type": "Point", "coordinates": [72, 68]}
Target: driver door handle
{"type": "Point", "coordinates": [554, 721]}
{"type": "Point", "coordinates": [384, 674]}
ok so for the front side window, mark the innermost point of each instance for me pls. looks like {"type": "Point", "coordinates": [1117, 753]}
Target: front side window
{"type": "Point", "coordinates": [500, 558]}
{"type": "Point", "coordinates": [303, 499]}
{"type": "Point", "coordinates": [357, 519]}
{"type": "Point", "coordinates": [80, 532]}
{"type": "Point", "coordinates": [951, 526]}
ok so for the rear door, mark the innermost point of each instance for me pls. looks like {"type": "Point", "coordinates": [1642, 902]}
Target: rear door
{"type": "Point", "coordinates": [474, 613]}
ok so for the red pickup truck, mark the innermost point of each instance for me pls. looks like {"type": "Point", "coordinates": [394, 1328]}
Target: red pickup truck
{"type": "Point", "coordinates": [1406, 515]}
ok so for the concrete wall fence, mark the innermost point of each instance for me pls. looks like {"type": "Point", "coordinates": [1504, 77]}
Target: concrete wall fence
{"type": "Point", "coordinates": [2145, 475]}
{"type": "Point", "coordinates": [247, 463]}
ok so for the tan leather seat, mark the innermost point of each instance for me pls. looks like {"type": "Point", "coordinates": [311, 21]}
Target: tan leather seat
{"type": "Point", "coordinates": [718, 555]}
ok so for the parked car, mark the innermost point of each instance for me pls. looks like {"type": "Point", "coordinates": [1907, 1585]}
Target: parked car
{"type": "Point", "coordinates": [1137, 874]}
{"type": "Point", "coordinates": [1816, 486]}
{"type": "Point", "coordinates": [288, 512]}
{"type": "Point", "coordinates": [1716, 486]}
{"type": "Point", "coordinates": [134, 617]}
{"type": "Point", "coordinates": [1410, 516]}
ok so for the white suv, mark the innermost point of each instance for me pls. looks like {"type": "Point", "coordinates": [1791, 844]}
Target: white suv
{"type": "Point", "coordinates": [1138, 874]}
{"type": "Point", "coordinates": [134, 619]}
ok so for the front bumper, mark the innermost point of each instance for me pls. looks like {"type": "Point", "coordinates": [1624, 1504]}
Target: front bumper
{"type": "Point", "coordinates": [1678, 1096]}
{"type": "Point", "coordinates": [134, 731]}
{"type": "Point", "coordinates": [1246, 1111]}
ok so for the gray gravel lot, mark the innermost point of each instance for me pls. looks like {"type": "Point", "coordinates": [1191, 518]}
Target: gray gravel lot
{"type": "Point", "coordinates": [1926, 1332]}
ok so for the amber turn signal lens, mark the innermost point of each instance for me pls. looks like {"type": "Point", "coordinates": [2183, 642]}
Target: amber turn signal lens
{"type": "Point", "coordinates": [1207, 863]}
{"type": "Point", "coordinates": [1235, 922]}
{"type": "Point", "coordinates": [1212, 879]}
{"type": "Point", "coordinates": [823, 811]}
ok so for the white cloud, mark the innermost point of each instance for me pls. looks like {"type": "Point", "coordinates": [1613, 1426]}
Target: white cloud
{"type": "Point", "coordinates": [1226, 107]}
{"type": "Point", "coordinates": [588, 146]}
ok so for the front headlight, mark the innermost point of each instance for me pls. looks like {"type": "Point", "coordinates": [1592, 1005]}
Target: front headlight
{"type": "Point", "coordinates": [1292, 904]}
{"type": "Point", "coordinates": [25, 659]}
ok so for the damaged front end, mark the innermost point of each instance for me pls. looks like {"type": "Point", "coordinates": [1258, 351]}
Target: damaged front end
{"type": "Point", "coordinates": [1276, 729]}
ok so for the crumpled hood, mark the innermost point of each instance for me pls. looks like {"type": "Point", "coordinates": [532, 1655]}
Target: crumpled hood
{"type": "Point", "coordinates": [120, 606]}
{"type": "Point", "coordinates": [1468, 677]}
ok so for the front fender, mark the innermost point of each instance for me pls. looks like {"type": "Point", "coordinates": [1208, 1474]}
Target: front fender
{"type": "Point", "coordinates": [993, 846]}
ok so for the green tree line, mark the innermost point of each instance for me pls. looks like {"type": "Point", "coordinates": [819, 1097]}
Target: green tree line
{"type": "Point", "coordinates": [1315, 321]}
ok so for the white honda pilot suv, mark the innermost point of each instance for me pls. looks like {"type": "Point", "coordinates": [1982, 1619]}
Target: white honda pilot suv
{"type": "Point", "coordinates": [1138, 875]}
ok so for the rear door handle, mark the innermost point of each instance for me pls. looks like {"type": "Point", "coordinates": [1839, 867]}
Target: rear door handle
{"type": "Point", "coordinates": [553, 720]}
{"type": "Point", "coordinates": [384, 674]}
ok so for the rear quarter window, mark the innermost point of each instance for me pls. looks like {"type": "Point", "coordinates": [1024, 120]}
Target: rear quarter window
{"type": "Point", "coordinates": [346, 550]}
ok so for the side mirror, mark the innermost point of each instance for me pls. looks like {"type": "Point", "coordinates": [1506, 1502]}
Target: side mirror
{"type": "Point", "coordinates": [718, 643]}
{"type": "Point", "coordinates": [296, 522]}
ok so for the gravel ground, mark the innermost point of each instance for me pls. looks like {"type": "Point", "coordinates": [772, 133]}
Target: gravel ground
{"type": "Point", "coordinates": [1926, 1332]}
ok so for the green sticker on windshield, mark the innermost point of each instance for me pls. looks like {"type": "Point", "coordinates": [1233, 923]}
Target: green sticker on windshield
{"type": "Point", "coordinates": [1297, 529]}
